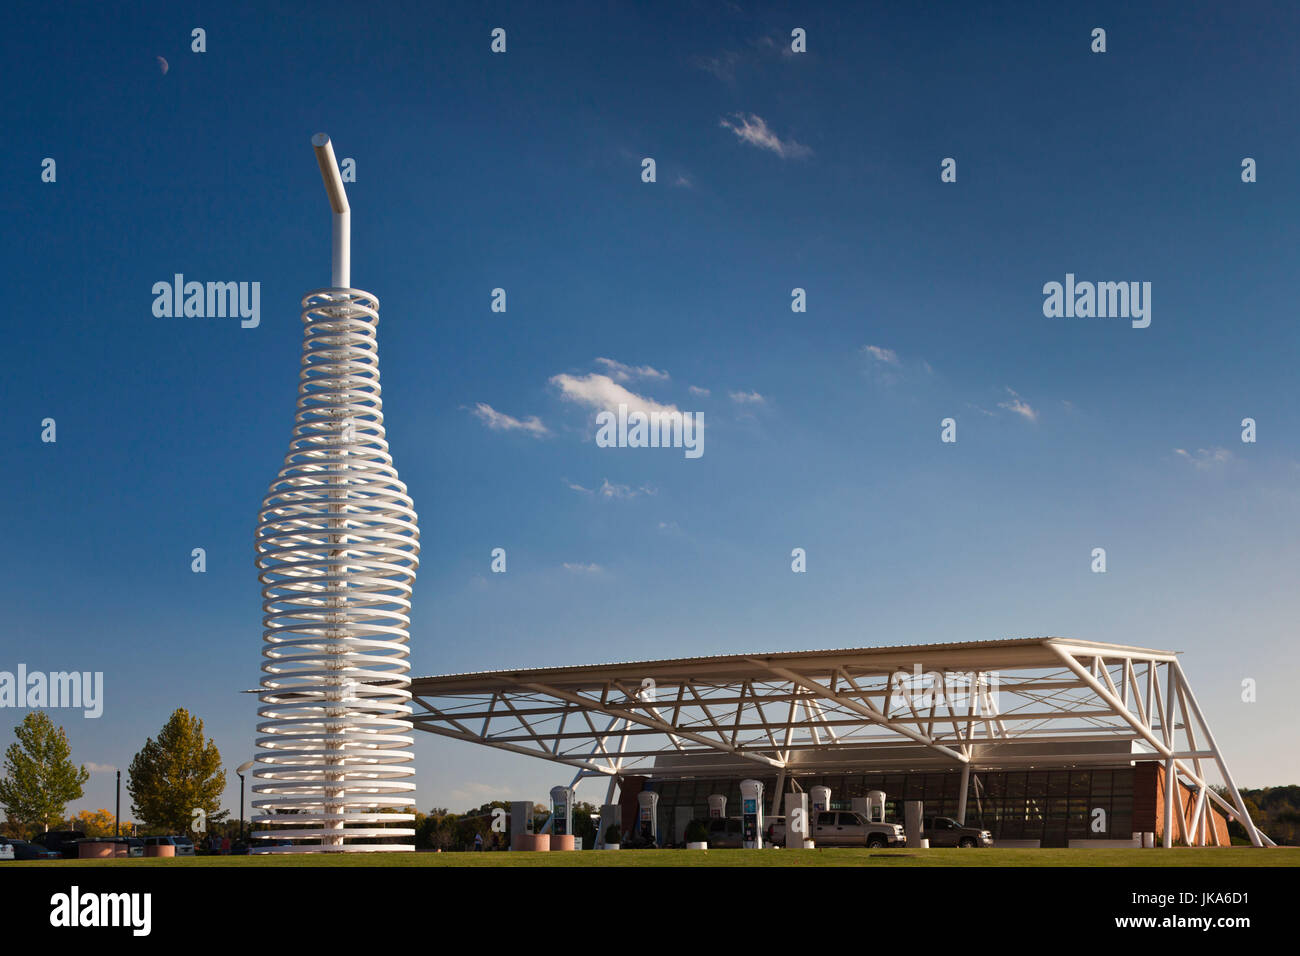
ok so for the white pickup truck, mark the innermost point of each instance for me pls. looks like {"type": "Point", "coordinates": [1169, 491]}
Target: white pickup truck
{"type": "Point", "coordinates": [843, 828]}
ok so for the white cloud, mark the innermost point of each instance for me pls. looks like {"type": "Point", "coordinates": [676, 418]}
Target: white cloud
{"type": "Point", "coordinates": [99, 767]}
{"type": "Point", "coordinates": [701, 392]}
{"type": "Point", "coordinates": [625, 373]}
{"type": "Point", "coordinates": [753, 130]}
{"type": "Point", "coordinates": [583, 568]}
{"type": "Point", "coordinates": [1019, 406]}
{"type": "Point", "coordinates": [602, 393]}
{"type": "Point", "coordinates": [888, 356]}
{"type": "Point", "coordinates": [610, 490]}
{"type": "Point", "coordinates": [499, 421]}
{"type": "Point", "coordinates": [684, 181]}
{"type": "Point", "coordinates": [1205, 457]}
{"type": "Point", "coordinates": [748, 398]}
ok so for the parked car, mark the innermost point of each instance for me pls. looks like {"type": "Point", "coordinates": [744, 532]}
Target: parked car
{"type": "Point", "coordinates": [945, 831]}
{"type": "Point", "coordinates": [182, 844]}
{"type": "Point", "coordinates": [62, 842]}
{"type": "Point", "coordinates": [23, 850]}
{"type": "Point", "coordinates": [260, 844]}
{"type": "Point", "coordinates": [844, 828]}
{"type": "Point", "coordinates": [724, 832]}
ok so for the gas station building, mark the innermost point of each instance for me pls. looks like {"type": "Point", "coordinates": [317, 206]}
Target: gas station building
{"type": "Point", "coordinates": [1042, 741]}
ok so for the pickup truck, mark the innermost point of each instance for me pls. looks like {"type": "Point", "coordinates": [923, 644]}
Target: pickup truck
{"type": "Point", "coordinates": [945, 831]}
{"type": "Point", "coordinates": [843, 828]}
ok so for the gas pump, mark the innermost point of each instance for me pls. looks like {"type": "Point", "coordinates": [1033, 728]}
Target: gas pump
{"type": "Point", "coordinates": [751, 814]}
{"type": "Point", "coordinates": [717, 806]}
{"type": "Point", "coordinates": [561, 811]}
{"type": "Point", "coordinates": [876, 806]}
{"type": "Point", "coordinates": [647, 818]}
{"type": "Point", "coordinates": [820, 798]}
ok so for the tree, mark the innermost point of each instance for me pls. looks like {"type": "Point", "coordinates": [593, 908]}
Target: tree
{"type": "Point", "coordinates": [175, 775]}
{"type": "Point", "coordinates": [95, 823]}
{"type": "Point", "coordinates": [40, 779]}
{"type": "Point", "coordinates": [436, 830]}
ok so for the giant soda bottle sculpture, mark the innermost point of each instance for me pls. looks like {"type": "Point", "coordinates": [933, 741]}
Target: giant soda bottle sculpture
{"type": "Point", "coordinates": [337, 550]}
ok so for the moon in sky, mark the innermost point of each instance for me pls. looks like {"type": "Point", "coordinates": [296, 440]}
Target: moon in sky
{"type": "Point", "coordinates": [162, 65]}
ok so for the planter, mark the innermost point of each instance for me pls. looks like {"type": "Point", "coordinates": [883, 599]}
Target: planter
{"type": "Point", "coordinates": [562, 841]}
{"type": "Point", "coordinates": [531, 842]}
{"type": "Point", "coordinates": [164, 850]}
{"type": "Point", "coordinates": [95, 849]}
{"type": "Point", "coordinates": [702, 845]}
{"type": "Point", "coordinates": [613, 846]}
{"type": "Point", "coordinates": [809, 845]}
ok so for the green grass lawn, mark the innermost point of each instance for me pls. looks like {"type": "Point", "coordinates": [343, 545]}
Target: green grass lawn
{"type": "Point", "coordinates": [1183, 856]}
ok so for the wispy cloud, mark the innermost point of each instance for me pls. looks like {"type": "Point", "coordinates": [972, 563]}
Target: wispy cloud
{"type": "Point", "coordinates": [1019, 406]}
{"type": "Point", "coordinates": [626, 373]}
{"type": "Point", "coordinates": [474, 792]}
{"type": "Point", "coordinates": [701, 392]}
{"type": "Point", "coordinates": [748, 398]}
{"type": "Point", "coordinates": [886, 367]}
{"type": "Point", "coordinates": [1205, 458]}
{"type": "Point", "coordinates": [757, 53]}
{"type": "Point", "coordinates": [583, 568]}
{"type": "Point", "coordinates": [609, 489]}
{"type": "Point", "coordinates": [499, 421]}
{"type": "Point", "coordinates": [754, 130]}
{"type": "Point", "coordinates": [604, 394]}
{"type": "Point", "coordinates": [99, 767]}
{"type": "Point", "coordinates": [722, 66]}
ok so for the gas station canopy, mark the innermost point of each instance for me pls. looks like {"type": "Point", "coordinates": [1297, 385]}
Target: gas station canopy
{"type": "Point", "coordinates": [979, 704]}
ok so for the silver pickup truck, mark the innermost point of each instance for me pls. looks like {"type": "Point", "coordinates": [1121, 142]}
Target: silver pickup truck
{"type": "Point", "coordinates": [843, 828]}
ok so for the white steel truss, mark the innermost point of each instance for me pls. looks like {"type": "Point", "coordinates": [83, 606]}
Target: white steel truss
{"type": "Point", "coordinates": [977, 705]}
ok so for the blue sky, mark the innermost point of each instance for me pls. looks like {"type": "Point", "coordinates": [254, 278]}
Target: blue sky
{"type": "Point", "coordinates": [522, 171]}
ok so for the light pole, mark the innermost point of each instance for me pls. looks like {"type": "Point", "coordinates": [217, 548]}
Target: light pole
{"type": "Point", "coordinates": [117, 808]}
{"type": "Point", "coordinates": [242, 769]}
